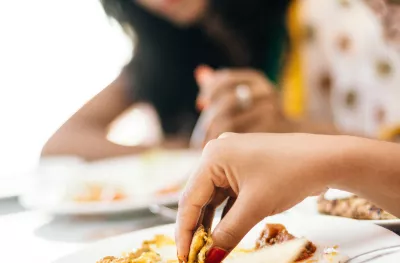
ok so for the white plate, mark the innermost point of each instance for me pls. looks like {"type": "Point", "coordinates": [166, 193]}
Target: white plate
{"type": "Point", "coordinates": [309, 208]}
{"type": "Point", "coordinates": [351, 237]}
{"type": "Point", "coordinates": [12, 186]}
{"type": "Point", "coordinates": [58, 180]}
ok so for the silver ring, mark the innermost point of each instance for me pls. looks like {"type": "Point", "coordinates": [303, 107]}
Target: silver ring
{"type": "Point", "coordinates": [243, 96]}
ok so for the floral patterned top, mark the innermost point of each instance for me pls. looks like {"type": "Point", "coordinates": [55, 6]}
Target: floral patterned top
{"type": "Point", "coordinates": [345, 65]}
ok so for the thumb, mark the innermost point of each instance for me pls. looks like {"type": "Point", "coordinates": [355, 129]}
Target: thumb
{"type": "Point", "coordinates": [240, 219]}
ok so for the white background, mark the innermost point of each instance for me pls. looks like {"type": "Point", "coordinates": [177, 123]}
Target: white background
{"type": "Point", "coordinates": [54, 56]}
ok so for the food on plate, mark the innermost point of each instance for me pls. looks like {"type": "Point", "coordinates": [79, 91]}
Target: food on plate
{"type": "Point", "coordinates": [280, 253]}
{"type": "Point", "coordinates": [277, 234]}
{"type": "Point", "coordinates": [99, 193]}
{"type": "Point", "coordinates": [352, 207]}
{"type": "Point", "coordinates": [162, 248]}
{"type": "Point", "coordinates": [201, 242]}
{"type": "Point", "coordinates": [171, 189]}
{"type": "Point", "coordinates": [150, 252]}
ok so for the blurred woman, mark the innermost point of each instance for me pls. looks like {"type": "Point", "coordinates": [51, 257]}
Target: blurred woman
{"type": "Point", "coordinates": [227, 58]}
{"type": "Point", "coordinates": [242, 45]}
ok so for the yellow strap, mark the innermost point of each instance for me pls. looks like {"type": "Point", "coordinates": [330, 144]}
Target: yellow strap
{"type": "Point", "coordinates": [389, 133]}
{"type": "Point", "coordinates": [293, 83]}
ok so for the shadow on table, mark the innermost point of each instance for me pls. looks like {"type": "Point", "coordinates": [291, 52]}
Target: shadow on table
{"type": "Point", "coordinates": [93, 228]}
{"type": "Point", "coordinates": [10, 206]}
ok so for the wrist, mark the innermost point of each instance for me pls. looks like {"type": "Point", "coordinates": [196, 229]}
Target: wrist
{"type": "Point", "coordinates": [352, 160]}
{"type": "Point", "coordinates": [338, 160]}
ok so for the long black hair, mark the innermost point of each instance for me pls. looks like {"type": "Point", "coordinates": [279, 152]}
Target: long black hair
{"type": "Point", "coordinates": [166, 56]}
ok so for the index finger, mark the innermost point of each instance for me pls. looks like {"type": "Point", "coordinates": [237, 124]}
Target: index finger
{"type": "Point", "coordinates": [198, 193]}
{"type": "Point", "coordinates": [227, 79]}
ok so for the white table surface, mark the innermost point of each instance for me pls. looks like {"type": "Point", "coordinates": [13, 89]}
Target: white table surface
{"type": "Point", "coordinates": [29, 236]}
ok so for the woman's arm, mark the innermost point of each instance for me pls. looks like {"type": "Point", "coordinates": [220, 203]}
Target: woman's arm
{"type": "Point", "coordinates": [370, 169]}
{"type": "Point", "coordinates": [84, 134]}
{"type": "Point", "coordinates": [265, 174]}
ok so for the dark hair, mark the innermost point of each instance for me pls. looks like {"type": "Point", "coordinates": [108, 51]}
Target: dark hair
{"type": "Point", "coordinates": [166, 56]}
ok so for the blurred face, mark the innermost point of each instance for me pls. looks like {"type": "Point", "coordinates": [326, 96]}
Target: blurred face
{"type": "Point", "coordinates": [181, 12]}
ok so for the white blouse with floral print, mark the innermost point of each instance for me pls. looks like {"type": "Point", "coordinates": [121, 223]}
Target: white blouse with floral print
{"type": "Point", "coordinates": [350, 53]}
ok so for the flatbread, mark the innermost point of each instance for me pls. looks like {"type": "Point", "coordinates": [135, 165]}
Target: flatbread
{"type": "Point", "coordinates": [286, 252]}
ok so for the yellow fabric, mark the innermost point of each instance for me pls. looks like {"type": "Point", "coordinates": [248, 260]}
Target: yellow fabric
{"type": "Point", "coordinates": [293, 81]}
{"type": "Point", "coordinates": [390, 133]}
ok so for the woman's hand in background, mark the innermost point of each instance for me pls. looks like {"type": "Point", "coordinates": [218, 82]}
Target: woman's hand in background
{"type": "Point", "coordinates": [238, 100]}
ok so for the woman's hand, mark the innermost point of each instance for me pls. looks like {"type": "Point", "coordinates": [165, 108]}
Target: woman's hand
{"type": "Point", "coordinates": [261, 174]}
{"type": "Point", "coordinates": [238, 100]}
{"type": "Point", "coordinates": [264, 174]}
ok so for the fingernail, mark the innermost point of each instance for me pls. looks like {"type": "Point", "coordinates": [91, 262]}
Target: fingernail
{"type": "Point", "coordinates": [202, 73]}
{"type": "Point", "coordinates": [216, 255]}
{"type": "Point", "coordinates": [200, 103]}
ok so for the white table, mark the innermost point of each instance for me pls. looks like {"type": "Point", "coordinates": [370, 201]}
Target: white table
{"type": "Point", "coordinates": [29, 236]}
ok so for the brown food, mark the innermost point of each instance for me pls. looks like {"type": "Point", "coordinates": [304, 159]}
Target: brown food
{"type": "Point", "coordinates": [352, 207]}
{"type": "Point", "coordinates": [277, 234]}
{"type": "Point", "coordinates": [172, 189]}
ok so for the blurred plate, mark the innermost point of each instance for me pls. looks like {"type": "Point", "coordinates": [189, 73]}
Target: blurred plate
{"type": "Point", "coordinates": [309, 208]}
{"type": "Point", "coordinates": [72, 186]}
{"type": "Point", "coordinates": [351, 238]}
{"type": "Point", "coordinates": [12, 186]}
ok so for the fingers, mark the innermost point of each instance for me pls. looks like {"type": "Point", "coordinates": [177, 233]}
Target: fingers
{"type": "Point", "coordinates": [225, 80]}
{"type": "Point", "coordinates": [209, 212]}
{"type": "Point", "coordinates": [240, 219]}
{"type": "Point", "coordinates": [203, 74]}
{"type": "Point", "coordinates": [194, 200]}
{"type": "Point", "coordinates": [214, 84]}
{"type": "Point", "coordinates": [228, 206]}
{"type": "Point", "coordinates": [190, 211]}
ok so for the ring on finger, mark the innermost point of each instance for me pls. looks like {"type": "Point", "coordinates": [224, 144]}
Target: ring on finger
{"type": "Point", "coordinates": [243, 96]}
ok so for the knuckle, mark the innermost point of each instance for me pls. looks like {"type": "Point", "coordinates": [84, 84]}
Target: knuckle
{"type": "Point", "coordinates": [255, 73]}
{"type": "Point", "coordinates": [225, 135]}
{"type": "Point", "coordinates": [226, 74]}
{"type": "Point", "coordinates": [186, 200]}
{"type": "Point", "coordinates": [183, 200]}
{"type": "Point", "coordinates": [214, 153]}
{"type": "Point", "coordinates": [211, 149]}
{"type": "Point", "coordinates": [259, 73]}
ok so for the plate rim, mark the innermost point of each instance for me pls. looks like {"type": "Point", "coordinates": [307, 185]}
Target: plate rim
{"type": "Point", "coordinates": [99, 208]}
{"type": "Point", "coordinates": [169, 227]}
